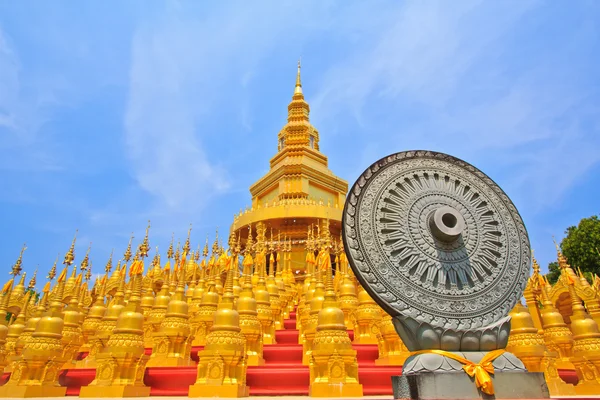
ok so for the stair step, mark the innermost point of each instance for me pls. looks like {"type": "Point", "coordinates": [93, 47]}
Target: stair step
{"type": "Point", "coordinates": [289, 323]}
{"type": "Point", "coordinates": [287, 336]}
{"type": "Point", "coordinates": [283, 354]}
{"type": "Point", "coordinates": [278, 376]}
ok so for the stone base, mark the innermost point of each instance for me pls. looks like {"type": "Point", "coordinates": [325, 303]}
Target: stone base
{"type": "Point", "coordinates": [114, 391]}
{"type": "Point", "coordinates": [12, 391]}
{"type": "Point", "coordinates": [335, 390]}
{"type": "Point", "coordinates": [459, 385]}
{"type": "Point", "coordinates": [230, 391]}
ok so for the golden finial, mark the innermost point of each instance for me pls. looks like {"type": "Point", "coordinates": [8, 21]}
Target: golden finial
{"type": "Point", "coordinates": [177, 252]}
{"type": "Point", "coordinates": [231, 242]}
{"type": "Point", "coordinates": [238, 245]}
{"type": "Point", "coordinates": [298, 88]}
{"type": "Point", "coordinates": [17, 268]}
{"type": "Point", "coordinates": [52, 272]}
{"type": "Point", "coordinates": [144, 248]}
{"type": "Point", "coordinates": [63, 275]}
{"type": "Point", "coordinates": [197, 254]}
{"type": "Point", "coordinates": [580, 273]}
{"type": "Point", "coordinates": [88, 272]}
{"type": "Point", "coordinates": [109, 263]}
{"type": "Point", "coordinates": [536, 266]}
{"type": "Point", "coordinates": [272, 242]}
{"type": "Point", "coordinates": [186, 246]}
{"type": "Point", "coordinates": [127, 255]}
{"type": "Point", "coordinates": [7, 287]}
{"type": "Point", "coordinates": [205, 250]}
{"type": "Point", "coordinates": [228, 288]}
{"type": "Point", "coordinates": [155, 259]}
{"type": "Point", "coordinates": [32, 282]}
{"type": "Point", "coordinates": [562, 261]}
{"type": "Point", "coordinates": [86, 260]}
{"type": "Point", "coordinates": [215, 246]}
{"type": "Point", "coordinates": [170, 252]}
{"type": "Point", "coordinates": [70, 256]}
{"type": "Point", "coordinates": [250, 241]}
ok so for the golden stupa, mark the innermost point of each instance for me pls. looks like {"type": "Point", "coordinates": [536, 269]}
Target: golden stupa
{"type": "Point", "coordinates": [299, 187]}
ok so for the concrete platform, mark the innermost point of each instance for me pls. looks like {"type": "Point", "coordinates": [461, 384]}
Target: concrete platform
{"type": "Point", "coordinates": [459, 385]}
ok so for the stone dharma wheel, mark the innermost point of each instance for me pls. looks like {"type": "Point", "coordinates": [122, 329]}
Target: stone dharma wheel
{"type": "Point", "coordinates": [434, 240]}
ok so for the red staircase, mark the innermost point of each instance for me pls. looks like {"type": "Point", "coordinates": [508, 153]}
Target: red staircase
{"type": "Point", "coordinates": [282, 375]}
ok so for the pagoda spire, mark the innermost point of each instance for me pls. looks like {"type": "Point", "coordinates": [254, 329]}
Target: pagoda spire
{"type": "Point", "coordinates": [298, 109]}
{"type": "Point", "coordinates": [298, 88]}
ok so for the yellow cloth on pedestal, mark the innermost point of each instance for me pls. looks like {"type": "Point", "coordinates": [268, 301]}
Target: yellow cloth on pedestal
{"type": "Point", "coordinates": [481, 371]}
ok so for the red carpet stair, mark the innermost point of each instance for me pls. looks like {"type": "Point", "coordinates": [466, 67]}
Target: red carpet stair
{"type": "Point", "coordinates": [282, 375]}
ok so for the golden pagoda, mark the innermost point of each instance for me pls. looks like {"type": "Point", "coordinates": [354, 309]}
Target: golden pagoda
{"type": "Point", "coordinates": [299, 187]}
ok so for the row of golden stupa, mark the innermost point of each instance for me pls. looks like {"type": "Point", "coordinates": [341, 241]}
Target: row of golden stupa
{"type": "Point", "coordinates": [232, 300]}
{"type": "Point", "coordinates": [191, 300]}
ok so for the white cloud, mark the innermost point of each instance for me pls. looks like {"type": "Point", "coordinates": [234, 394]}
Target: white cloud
{"type": "Point", "coordinates": [180, 76]}
{"type": "Point", "coordinates": [445, 61]}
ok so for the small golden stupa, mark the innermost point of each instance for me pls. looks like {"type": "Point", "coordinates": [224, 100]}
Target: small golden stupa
{"type": "Point", "coordinates": [222, 363]}
{"type": "Point", "coordinates": [122, 363]}
{"type": "Point", "coordinates": [332, 360]}
{"type": "Point", "coordinates": [246, 307]}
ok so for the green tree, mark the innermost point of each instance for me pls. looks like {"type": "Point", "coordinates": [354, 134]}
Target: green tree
{"type": "Point", "coordinates": [581, 246]}
{"type": "Point", "coordinates": [553, 272]}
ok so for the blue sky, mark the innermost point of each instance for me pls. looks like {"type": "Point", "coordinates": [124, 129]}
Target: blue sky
{"type": "Point", "coordinates": [113, 113]}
